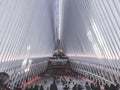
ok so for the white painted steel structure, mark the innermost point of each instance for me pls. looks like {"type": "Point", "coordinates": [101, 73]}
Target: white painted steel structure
{"type": "Point", "coordinates": [90, 37]}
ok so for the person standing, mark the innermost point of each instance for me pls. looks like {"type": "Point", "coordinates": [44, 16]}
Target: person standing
{"type": "Point", "coordinates": [107, 87]}
{"type": "Point", "coordinates": [80, 87]}
{"type": "Point", "coordinates": [87, 86]}
{"type": "Point", "coordinates": [53, 86]}
{"type": "Point", "coordinates": [92, 86]}
{"type": "Point", "coordinates": [41, 87]}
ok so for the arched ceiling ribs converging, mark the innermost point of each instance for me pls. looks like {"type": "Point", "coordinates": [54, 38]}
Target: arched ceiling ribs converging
{"type": "Point", "coordinates": [26, 29]}
{"type": "Point", "coordinates": [91, 28]}
{"type": "Point", "coordinates": [88, 28]}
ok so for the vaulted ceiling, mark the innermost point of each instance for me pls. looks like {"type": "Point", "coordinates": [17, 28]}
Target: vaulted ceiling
{"type": "Point", "coordinates": [89, 28]}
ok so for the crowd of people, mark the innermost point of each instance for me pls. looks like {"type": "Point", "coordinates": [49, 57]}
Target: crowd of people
{"type": "Point", "coordinates": [66, 82]}
{"type": "Point", "coordinates": [36, 87]}
{"type": "Point", "coordinates": [100, 86]}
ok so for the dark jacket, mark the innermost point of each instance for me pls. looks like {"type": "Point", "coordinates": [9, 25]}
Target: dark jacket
{"type": "Point", "coordinates": [41, 88]}
{"type": "Point", "coordinates": [112, 87]}
{"type": "Point", "coordinates": [80, 87]}
{"type": "Point", "coordinates": [87, 87]}
{"type": "Point", "coordinates": [107, 87]}
{"type": "Point", "coordinates": [53, 87]}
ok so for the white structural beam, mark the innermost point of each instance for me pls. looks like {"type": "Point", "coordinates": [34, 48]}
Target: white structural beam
{"type": "Point", "coordinates": [26, 29]}
{"type": "Point", "coordinates": [91, 28]}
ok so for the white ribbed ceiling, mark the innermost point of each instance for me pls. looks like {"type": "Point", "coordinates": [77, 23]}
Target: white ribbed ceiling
{"type": "Point", "coordinates": [91, 28]}
{"type": "Point", "coordinates": [26, 29]}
